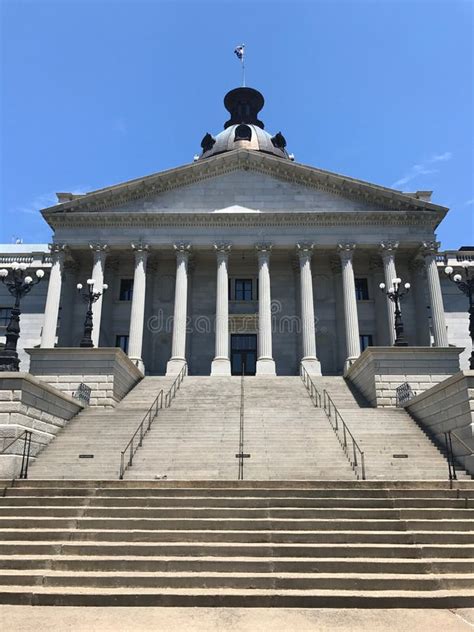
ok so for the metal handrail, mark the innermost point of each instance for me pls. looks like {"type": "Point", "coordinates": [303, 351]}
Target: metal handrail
{"type": "Point", "coordinates": [448, 438]}
{"type": "Point", "coordinates": [314, 394]}
{"type": "Point", "coordinates": [240, 454]}
{"type": "Point", "coordinates": [171, 394]}
{"type": "Point", "coordinates": [25, 457]}
{"type": "Point", "coordinates": [330, 407]}
{"type": "Point", "coordinates": [143, 427]}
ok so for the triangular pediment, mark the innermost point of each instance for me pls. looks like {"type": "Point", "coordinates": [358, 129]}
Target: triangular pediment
{"type": "Point", "coordinates": [243, 181]}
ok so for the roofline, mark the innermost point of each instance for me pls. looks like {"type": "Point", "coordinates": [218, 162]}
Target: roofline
{"type": "Point", "coordinates": [204, 168]}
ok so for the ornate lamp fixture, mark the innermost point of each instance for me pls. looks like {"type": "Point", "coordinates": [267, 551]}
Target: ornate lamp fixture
{"type": "Point", "coordinates": [89, 297]}
{"type": "Point", "coordinates": [395, 294]}
{"type": "Point", "coordinates": [465, 283]}
{"type": "Point", "coordinates": [18, 284]}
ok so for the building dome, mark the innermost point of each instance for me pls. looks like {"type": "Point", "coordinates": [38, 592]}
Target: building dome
{"type": "Point", "coordinates": [244, 130]}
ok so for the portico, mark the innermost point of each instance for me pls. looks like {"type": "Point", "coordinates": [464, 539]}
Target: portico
{"type": "Point", "coordinates": [245, 241]}
{"type": "Point", "coordinates": [187, 301]}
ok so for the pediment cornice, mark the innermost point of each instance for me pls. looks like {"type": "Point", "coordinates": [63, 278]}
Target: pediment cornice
{"type": "Point", "coordinates": [376, 196]}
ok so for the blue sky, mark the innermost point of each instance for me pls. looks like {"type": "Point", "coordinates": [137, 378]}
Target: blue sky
{"type": "Point", "coordinates": [95, 93]}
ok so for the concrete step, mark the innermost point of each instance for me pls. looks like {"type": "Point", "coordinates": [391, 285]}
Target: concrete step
{"type": "Point", "coordinates": [236, 564]}
{"type": "Point", "coordinates": [233, 579]}
{"type": "Point", "coordinates": [231, 597]}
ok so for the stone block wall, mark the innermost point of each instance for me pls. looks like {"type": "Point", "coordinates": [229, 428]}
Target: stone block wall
{"type": "Point", "coordinates": [26, 403]}
{"type": "Point", "coordinates": [449, 406]}
{"type": "Point", "coordinates": [380, 370]}
{"type": "Point", "coordinates": [108, 372]}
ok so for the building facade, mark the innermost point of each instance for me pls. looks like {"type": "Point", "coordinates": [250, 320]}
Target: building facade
{"type": "Point", "coordinates": [248, 260]}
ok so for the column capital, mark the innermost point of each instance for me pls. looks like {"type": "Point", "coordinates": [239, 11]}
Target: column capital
{"type": "Point", "coordinates": [346, 251]}
{"type": "Point", "coordinates": [304, 250]}
{"type": "Point", "coordinates": [182, 247]}
{"type": "Point", "coordinates": [387, 249]}
{"type": "Point", "coordinates": [222, 249]}
{"type": "Point", "coordinates": [429, 248]}
{"type": "Point", "coordinates": [140, 247]}
{"type": "Point", "coordinates": [98, 247]}
{"type": "Point", "coordinates": [264, 250]}
{"type": "Point", "coordinates": [55, 248]}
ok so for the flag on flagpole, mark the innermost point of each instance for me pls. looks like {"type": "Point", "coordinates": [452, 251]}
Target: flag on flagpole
{"type": "Point", "coordinates": [240, 51]}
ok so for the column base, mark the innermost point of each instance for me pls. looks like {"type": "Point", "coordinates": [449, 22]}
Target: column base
{"type": "Point", "coordinates": [220, 366]}
{"type": "Point", "coordinates": [138, 362]}
{"type": "Point", "coordinates": [266, 366]}
{"type": "Point", "coordinates": [348, 363]}
{"type": "Point", "coordinates": [174, 366]}
{"type": "Point", "coordinates": [312, 365]}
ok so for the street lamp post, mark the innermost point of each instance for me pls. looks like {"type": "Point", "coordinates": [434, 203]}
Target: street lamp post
{"type": "Point", "coordinates": [395, 294]}
{"type": "Point", "coordinates": [18, 284]}
{"type": "Point", "coordinates": [89, 297]}
{"type": "Point", "coordinates": [465, 283]}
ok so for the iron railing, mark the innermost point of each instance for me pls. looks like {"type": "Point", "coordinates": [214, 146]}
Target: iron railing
{"type": "Point", "coordinates": [313, 392]}
{"type": "Point", "coordinates": [241, 455]}
{"type": "Point", "coordinates": [448, 438]}
{"type": "Point", "coordinates": [353, 453]}
{"type": "Point", "coordinates": [136, 440]}
{"type": "Point", "coordinates": [171, 394]}
{"type": "Point", "coordinates": [25, 457]}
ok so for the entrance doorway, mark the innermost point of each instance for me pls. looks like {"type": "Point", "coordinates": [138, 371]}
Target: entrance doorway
{"type": "Point", "coordinates": [243, 352]}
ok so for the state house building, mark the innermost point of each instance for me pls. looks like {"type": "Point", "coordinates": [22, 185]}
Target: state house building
{"type": "Point", "coordinates": [244, 259]}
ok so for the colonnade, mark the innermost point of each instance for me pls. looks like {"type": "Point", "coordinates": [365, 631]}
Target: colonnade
{"type": "Point", "coordinates": [265, 361]}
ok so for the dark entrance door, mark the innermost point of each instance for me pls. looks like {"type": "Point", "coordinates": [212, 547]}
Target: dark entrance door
{"type": "Point", "coordinates": [243, 352]}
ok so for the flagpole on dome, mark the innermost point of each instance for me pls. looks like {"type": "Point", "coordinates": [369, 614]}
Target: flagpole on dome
{"type": "Point", "coordinates": [240, 52]}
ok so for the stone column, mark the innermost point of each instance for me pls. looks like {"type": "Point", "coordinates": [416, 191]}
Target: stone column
{"type": "Point", "coordinates": [309, 360]}
{"type": "Point", "coordinates": [418, 282]}
{"type": "Point", "coordinates": [387, 252]}
{"type": "Point", "coordinates": [137, 315]}
{"type": "Point", "coordinates": [100, 254]}
{"type": "Point", "coordinates": [346, 252]}
{"type": "Point", "coordinates": [221, 362]}
{"type": "Point", "coordinates": [438, 320]}
{"type": "Point", "coordinates": [69, 303]}
{"type": "Point", "coordinates": [178, 347]}
{"type": "Point", "coordinates": [48, 336]}
{"type": "Point", "coordinates": [265, 361]}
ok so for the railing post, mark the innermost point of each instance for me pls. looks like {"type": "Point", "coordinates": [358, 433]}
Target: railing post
{"type": "Point", "coordinates": [448, 455]}
{"type": "Point", "coordinates": [26, 454]}
{"type": "Point", "coordinates": [344, 431]}
{"type": "Point", "coordinates": [354, 452]}
{"type": "Point", "coordinates": [362, 462]}
{"type": "Point", "coordinates": [130, 460]}
{"type": "Point", "coordinates": [122, 465]}
{"type": "Point", "coordinates": [453, 465]}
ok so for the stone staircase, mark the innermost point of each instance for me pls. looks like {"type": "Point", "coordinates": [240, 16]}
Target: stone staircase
{"type": "Point", "coordinates": [99, 432]}
{"type": "Point", "coordinates": [395, 447]}
{"type": "Point", "coordinates": [198, 437]}
{"type": "Point", "coordinates": [293, 544]}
